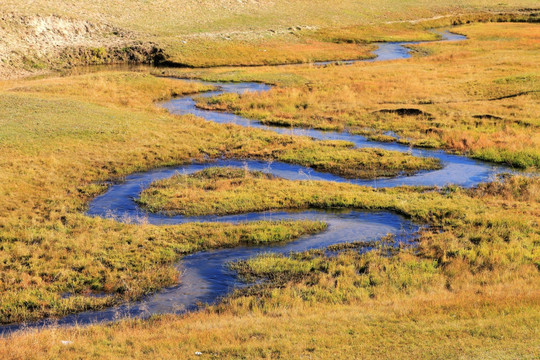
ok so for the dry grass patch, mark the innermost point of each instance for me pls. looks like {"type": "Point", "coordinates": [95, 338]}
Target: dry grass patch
{"type": "Point", "coordinates": [442, 325]}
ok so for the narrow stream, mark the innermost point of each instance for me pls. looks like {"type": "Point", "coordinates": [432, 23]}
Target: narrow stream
{"type": "Point", "coordinates": [204, 276]}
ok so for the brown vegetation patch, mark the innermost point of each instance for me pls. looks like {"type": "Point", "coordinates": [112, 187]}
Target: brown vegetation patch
{"type": "Point", "coordinates": [487, 116]}
{"type": "Point", "coordinates": [405, 112]}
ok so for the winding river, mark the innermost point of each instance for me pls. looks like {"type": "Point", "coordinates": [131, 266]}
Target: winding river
{"type": "Point", "coordinates": [204, 276]}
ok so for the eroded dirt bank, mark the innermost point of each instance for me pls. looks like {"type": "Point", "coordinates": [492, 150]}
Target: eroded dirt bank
{"type": "Point", "coordinates": [33, 44]}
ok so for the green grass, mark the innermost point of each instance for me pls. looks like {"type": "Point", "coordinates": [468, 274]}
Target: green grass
{"type": "Point", "coordinates": [123, 262]}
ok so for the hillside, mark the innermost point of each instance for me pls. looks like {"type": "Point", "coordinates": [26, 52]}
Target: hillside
{"type": "Point", "coordinates": [43, 35]}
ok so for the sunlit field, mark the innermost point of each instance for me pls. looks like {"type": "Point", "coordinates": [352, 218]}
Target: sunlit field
{"type": "Point", "coordinates": [446, 101]}
{"type": "Point", "coordinates": [464, 286]}
{"type": "Point", "coordinates": [63, 148]}
{"type": "Point", "coordinates": [41, 35]}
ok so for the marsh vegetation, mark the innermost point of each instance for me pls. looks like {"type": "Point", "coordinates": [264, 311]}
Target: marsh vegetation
{"type": "Point", "coordinates": [468, 286]}
{"type": "Point", "coordinates": [450, 104]}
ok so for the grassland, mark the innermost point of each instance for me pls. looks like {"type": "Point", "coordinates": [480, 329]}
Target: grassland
{"type": "Point", "coordinates": [439, 101]}
{"type": "Point", "coordinates": [63, 137]}
{"type": "Point", "coordinates": [443, 325]}
{"type": "Point", "coordinates": [167, 18]}
{"type": "Point", "coordinates": [468, 289]}
{"type": "Point", "coordinates": [41, 35]}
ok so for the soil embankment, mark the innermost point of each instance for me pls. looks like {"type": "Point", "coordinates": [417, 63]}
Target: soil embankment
{"type": "Point", "coordinates": [32, 44]}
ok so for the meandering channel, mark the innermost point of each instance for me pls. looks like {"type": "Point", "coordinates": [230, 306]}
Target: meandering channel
{"type": "Point", "coordinates": [205, 277]}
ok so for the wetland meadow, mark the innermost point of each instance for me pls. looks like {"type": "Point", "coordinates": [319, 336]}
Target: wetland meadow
{"type": "Point", "coordinates": [265, 179]}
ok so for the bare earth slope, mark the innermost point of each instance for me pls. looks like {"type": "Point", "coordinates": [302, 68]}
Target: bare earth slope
{"type": "Point", "coordinates": [33, 43]}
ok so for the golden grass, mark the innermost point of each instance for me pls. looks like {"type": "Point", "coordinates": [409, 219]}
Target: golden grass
{"type": "Point", "coordinates": [463, 109]}
{"type": "Point", "coordinates": [136, 90]}
{"type": "Point", "coordinates": [61, 138]}
{"type": "Point", "coordinates": [226, 32]}
{"type": "Point", "coordinates": [285, 50]}
{"type": "Point", "coordinates": [469, 290]}
{"type": "Point", "coordinates": [446, 325]}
